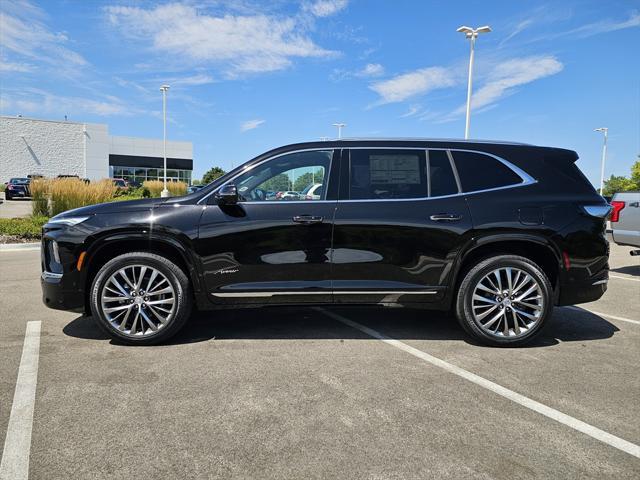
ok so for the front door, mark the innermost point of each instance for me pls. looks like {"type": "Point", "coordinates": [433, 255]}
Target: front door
{"type": "Point", "coordinates": [274, 245]}
{"type": "Point", "coordinates": [396, 235]}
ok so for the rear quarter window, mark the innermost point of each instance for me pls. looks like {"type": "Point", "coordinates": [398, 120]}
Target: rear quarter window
{"type": "Point", "coordinates": [478, 171]}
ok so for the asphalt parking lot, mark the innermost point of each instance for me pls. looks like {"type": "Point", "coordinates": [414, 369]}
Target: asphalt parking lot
{"type": "Point", "coordinates": [308, 393]}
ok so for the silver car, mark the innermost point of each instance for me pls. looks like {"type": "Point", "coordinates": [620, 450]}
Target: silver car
{"type": "Point", "coordinates": [625, 219]}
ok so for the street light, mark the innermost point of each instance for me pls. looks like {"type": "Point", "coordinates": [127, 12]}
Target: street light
{"type": "Point", "coordinates": [604, 130]}
{"type": "Point", "coordinates": [164, 89]}
{"type": "Point", "coordinates": [340, 126]}
{"type": "Point", "coordinates": [471, 34]}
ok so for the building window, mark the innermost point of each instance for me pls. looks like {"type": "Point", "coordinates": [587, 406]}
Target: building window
{"type": "Point", "coordinates": [142, 174]}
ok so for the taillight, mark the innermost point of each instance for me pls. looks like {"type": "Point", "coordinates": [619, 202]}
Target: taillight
{"type": "Point", "coordinates": [617, 208]}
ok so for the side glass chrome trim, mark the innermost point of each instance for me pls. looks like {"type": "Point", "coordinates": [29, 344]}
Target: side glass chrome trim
{"type": "Point", "coordinates": [526, 178]}
{"type": "Point", "coordinates": [251, 167]}
{"type": "Point", "coordinates": [454, 170]}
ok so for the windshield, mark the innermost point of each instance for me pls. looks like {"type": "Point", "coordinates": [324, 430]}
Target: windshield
{"type": "Point", "coordinates": [19, 180]}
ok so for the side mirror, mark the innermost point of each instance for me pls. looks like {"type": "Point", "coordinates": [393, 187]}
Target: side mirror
{"type": "Point", "coordinates": [227, 195]}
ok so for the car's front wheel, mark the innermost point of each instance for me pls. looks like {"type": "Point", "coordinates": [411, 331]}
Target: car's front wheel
{"type": "Point", "coordinates": [140, 298]}
{"type": "Point", "coordinates": [504, 300]}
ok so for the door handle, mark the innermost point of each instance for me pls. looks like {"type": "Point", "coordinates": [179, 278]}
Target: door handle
{"type": "Point", "coordinates": [446, 217]}
{"type": "Point", "coordinates": [307, 219]}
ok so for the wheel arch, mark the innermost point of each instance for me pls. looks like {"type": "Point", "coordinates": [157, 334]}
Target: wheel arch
{"type": "Point", "coordinates": [111, 245]}
{"type": "Point", "coordinates": [536, 248]}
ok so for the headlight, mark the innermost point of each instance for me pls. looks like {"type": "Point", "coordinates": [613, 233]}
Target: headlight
{"type": "Point", "coordinates": [67, 220]}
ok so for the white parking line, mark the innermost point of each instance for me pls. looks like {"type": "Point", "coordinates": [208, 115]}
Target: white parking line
{"type": "Point", "coordinates": [625, 278]}
{"type": "Point", "coordinates": [17, 444]}
{"type": "Point", "coordinates": [609, 439]}
{"type": "Point", "coordinates": [622, 319]}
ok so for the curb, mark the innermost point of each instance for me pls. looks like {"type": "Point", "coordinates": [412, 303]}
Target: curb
{"type": "Point", "coordinates": [9, 247]}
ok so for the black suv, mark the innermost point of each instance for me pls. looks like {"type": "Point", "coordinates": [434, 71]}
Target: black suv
{"type": "Point", "coordinates": [499, 232]}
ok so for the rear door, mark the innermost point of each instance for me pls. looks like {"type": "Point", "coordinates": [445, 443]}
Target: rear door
{"type": "Point", "coordinates": [399, 225]}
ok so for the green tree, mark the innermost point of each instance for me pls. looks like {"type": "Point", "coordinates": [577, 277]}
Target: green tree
{"type": "Point", "coordinates": [212, 174]}
{"type": "Point", "coordinates": [306, 179]}
{"type": "Point", "coordinates": [617, 184]}
{"type": "Point", "coordinates": [279, 183]}
{"type": "Point", "coordinates": [635, 173]}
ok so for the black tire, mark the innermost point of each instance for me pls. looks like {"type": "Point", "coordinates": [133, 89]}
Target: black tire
{"type": "Point", "coordinates": [175, 276]}
{"type": "Point", "coordinates": [7, 196]}
{"type": "Point", "coordinates": [464, 296]}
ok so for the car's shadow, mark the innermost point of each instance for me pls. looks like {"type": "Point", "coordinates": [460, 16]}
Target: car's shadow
{"type": "Point", "coordinates": [305, 323]}
{"type": "Point", "coordinates": [628, 270]}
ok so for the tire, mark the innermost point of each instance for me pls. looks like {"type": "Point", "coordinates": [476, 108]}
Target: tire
{"type": "Point", "coordinates": [114, 297]}
{"type": "Point", "coordinates": [515, 321]}
{"type": "Point", "coordinates": [7, 196]}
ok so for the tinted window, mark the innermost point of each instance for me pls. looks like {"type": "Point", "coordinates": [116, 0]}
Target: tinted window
{"type": "Point", "coordinates": [286, 177]}
{"type": "Point", "coordinates": [480, 172]}
{"type": "Point", "coordinates": [443, 182]}
{"type": "Point", "coordinates": [387, 174]}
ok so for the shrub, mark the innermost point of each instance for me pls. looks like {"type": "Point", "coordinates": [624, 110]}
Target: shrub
{"type": "Point", "coordinates": [29, 228]}
{"type": "Point", "coordinates": [51, 197]}
{"type": "Point", "coordinates": [40, 196]}
{"type": "Point", "coordinates": [155, 187]}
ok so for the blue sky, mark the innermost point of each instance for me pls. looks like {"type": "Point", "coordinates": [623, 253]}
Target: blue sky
{"type": "Point", "coordinates": [249, 75]}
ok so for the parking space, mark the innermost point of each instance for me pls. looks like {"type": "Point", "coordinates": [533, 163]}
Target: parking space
{"type": "Point", "coordinates": [301, 393]}
{"type": "Point", "coordinates": [19, 207]}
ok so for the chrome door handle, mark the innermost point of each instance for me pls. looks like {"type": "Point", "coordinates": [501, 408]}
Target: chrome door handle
{"type": "Point", "coordinates": [307, 219]}
{"type": "Point", "coordinates": [446, 217]}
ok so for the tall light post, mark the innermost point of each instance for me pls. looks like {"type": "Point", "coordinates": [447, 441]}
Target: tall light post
{"type": "Point", "coordinates": [471, 34]}
{"type": "Point", "coordinates": [164, 89]}
{"type": "Point", "coordinates": [604, 130]}
{"type": "Point", "coordinates": [340, 127]}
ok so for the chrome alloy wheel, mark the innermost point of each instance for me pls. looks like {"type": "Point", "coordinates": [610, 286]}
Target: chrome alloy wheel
{"type": "Point", "coordinates": [138, 300]}
{"type": "Point", "coordinates": [507, 302]}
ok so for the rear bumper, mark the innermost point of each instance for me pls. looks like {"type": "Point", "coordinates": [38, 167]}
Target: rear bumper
{"type": "Point", "coordinates": [584, 290]}
{"type": "Point", "coordinates": [59, 297]}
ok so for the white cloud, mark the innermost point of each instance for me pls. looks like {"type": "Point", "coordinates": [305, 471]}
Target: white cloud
{"type": "Point", "coordinates": [251, 124]}
{"type": "Point", "coordinates": [24, 34]}
{"type": "Point", "coordinates": [606, 25]}
{"type": "Point", "coordinates": [412, 84]}
{"type": "Point", "coordinates": [240, 43]}
{"type": "Point", "coordinates": [193, 80]}
{"type": "Point", "coordinates": [507, 76]}
{"type": "Point", "coordinates": [37, 101]}
{"type": "Point", "coordinates": [371, 70]}
{"type": "Point", "coordinates": [413, 109]}
{"type": "Point", "coordinates": [326, 8]}
{"type": "Point", "coordinates": [6, 66]}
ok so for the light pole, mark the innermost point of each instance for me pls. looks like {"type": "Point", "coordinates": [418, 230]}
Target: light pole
{"type": "Point", "coordinates": [604, 130]}
{"type": "Point", "coordinates": [164, 89]}
{"type": "Point", "coordinates": [471, 34]}
{"type": "Point", "coordinates": [340, 126]}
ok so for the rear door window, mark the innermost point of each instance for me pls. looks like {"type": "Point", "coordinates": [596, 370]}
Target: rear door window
{"type": "Point", "coordinates": [478, 171]}
{"type": "Point", "coordinates": [387, 174]}
{"type": "Point", "coordinates": [441, 177]}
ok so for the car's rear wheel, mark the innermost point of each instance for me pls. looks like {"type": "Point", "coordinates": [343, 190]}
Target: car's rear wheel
{"type": "Point", "coordinates": [504, 300]}
{"type": "Point", "coordinates": [140, 298]}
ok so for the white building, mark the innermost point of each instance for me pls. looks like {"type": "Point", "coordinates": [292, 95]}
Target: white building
{"type": "Point", "coordinates": [50, 148]}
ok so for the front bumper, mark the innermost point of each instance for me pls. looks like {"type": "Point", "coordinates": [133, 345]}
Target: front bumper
{"type": "Point", "coordinates": [57, 295]}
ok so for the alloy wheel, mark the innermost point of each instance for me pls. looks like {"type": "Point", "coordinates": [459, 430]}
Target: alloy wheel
{"type": "Point", "coordinates": [507, 302]}
{"type": "Point", "coordinates": [138, 300]}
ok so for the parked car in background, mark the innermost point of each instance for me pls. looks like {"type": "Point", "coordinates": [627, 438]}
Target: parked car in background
{"type": "Point", "coordinates": [290, 195]}
{"type": "Point", "coordinates": [121, 183]}
{"type": "Point", "coordinates": [194, 188]}
{"type": "Point", "coordinates": [497, 232]}
{"type": "Point", "coordinates": [625, 220]}
{"type": "Point", "coordinates": [17, 187]}
{"type": "Point", "coordinates": [312, 192]}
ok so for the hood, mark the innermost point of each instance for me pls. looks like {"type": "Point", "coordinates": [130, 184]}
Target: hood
{"type": "Point", "coordinates": [114, 207]}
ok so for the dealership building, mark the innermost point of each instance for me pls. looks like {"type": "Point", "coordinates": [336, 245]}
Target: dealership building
{"type": "Point", "coordinates": [50, 148]}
